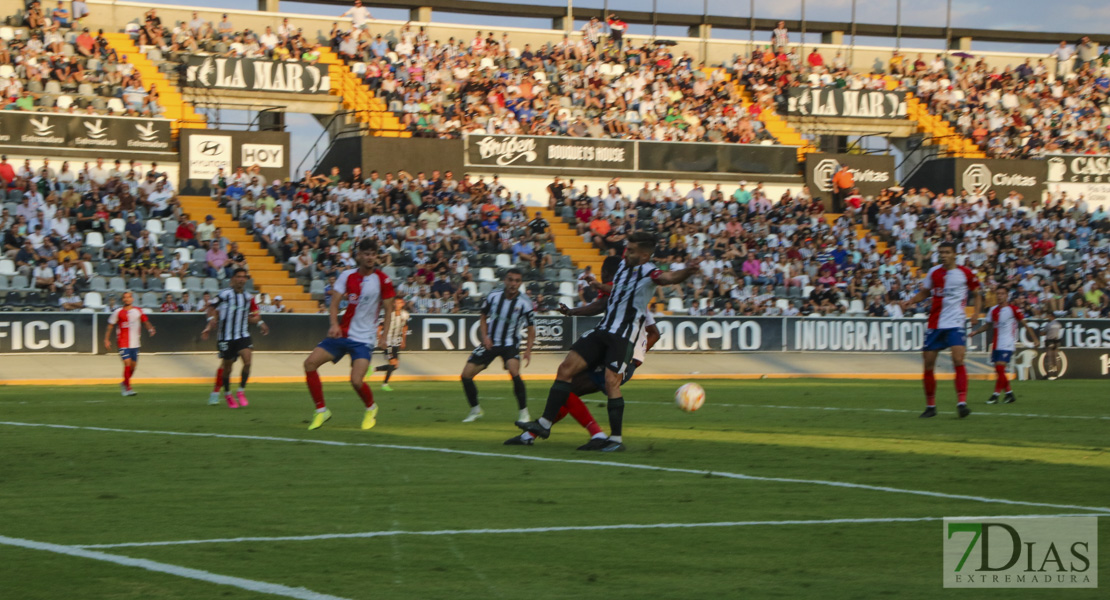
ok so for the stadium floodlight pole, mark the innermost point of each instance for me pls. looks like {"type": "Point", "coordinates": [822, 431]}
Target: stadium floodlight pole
{"type": "Point", "coordinates": [852, 48]}
{"type": "Point", "coordinates": [751, 27]}
{"type": "Point", "coordinates": [948, 29]}
{"type": "Point", "coordinates": [898, 27]}
{"type": "Point", "coordinates": [802, 51]}
{"type": "Point", "coordinates": [654, 18]}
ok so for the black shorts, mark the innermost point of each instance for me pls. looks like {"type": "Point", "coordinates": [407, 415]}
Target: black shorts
{"type": "Point", "coordinates": [484, 357]}
{"type": "Point", "coordinates": [600, 348]}
{"type": "Point", "coordinates": [230, 349]}
{"type": "Point", "coordinates": [392, 352]}
{"type": "Point", "coordinates": [1052, 344]}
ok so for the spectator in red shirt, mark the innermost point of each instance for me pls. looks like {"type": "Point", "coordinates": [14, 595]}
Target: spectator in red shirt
{"type": "Point", "coordinates": [186, 234]}
{"type": "Point", "coordinates": [815, 59]}
{"type": "Point", "coordinates": [169, 304]}
{"type": "Point", "coordinates": [86, 45]}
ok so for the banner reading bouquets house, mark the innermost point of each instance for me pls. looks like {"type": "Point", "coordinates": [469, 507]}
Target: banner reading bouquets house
{"type": "Point", "coordinates": [872, 173]}
{"type": "Point", "coordinates": [837, 102]}
{"type": "Point", "coordinates": [566, 155]}
{"type": "Point", "coordinates": [257, 75]}
{"type": "Point", "coordinates": [109, 136]}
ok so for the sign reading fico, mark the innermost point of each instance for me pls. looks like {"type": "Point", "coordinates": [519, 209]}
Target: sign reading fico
{"type": "Point", "coordinates": [208, 154]}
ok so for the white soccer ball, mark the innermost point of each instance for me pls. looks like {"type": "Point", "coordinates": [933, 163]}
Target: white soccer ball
{"type": "Point", "coordinates": [689, 397]}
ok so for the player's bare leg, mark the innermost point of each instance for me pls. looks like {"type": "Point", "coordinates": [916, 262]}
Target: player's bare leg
{"type": "Point", "coordinates": [468, 374]}
{"type": "Point", "coordinates": [246, 355]}
{"type": "Point", "coordinates": [1001, 384]}
{"type": "Point", "coordinates": [359, 368]}
{"type": "Point", "coordinates": [513, 367]}
{"type": "Point", "coordinates": [929, 379]}
{"type": "Point", "coordinates": [315, 360]}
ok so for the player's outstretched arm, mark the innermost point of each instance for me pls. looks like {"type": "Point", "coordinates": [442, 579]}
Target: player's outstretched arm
{"type": "Point", "coordinates": [334, 330]}
{"type": "Point", "coordinates": [1032, 333]}
{"type": "Point", "coordinates": [594, 308]}
{"type": "Point", "coordinates": [985, 327]}
{"type": "Point", "coordinates": [920, 296]}
{"type": "Point", "coordinates": [531, 342]}
{"type": "Point", "coordinates": [677, 277]}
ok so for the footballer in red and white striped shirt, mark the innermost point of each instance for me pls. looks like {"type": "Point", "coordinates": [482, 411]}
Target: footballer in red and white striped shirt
{"type": "Point", "coordinates": [129, 319]}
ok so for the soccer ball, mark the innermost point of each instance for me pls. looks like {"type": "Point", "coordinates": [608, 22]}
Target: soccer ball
{"type": "Point", "coordinates": [689, 397]}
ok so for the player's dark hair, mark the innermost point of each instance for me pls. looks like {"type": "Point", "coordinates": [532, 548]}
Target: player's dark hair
{"type": "Point", "coordinates": [367, 244]}
{"type": "Point", "coordinates": [239, 270]}
{"type": "Point", "coordinates": [514, 271]}
{"type": "Point", "coordinates": [643, 240]}
{"type": "Point", "coordinates": [951, 245]}
{"type": "Point", "coordinates": [609, 268]}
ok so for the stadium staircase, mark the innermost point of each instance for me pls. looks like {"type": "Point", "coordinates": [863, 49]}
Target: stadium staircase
{"type": "Point", "coordinates": [569, 243]}
{"type": "Point", "coordinates": [173, 103]}
{"type": "Point", "coordinates": [268, 275]}
{"type": "Point", "coordinates": [881, 246]}
{"type": "Point", "coordinates": [371, 111]}
{"type": "Point", "coordinates": [775, 124]}
{"type": "Point", "coordinates": [939, 131]}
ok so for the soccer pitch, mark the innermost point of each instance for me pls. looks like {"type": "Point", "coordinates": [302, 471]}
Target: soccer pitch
{"type": "Point", "coordinates": [785, 488]}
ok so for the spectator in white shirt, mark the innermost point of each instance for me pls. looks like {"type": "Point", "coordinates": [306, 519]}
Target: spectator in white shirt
{"type": "Point", "coordinates": [359, 14]}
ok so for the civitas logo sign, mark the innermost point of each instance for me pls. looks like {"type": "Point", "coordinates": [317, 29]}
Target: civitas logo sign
{"type": "Point", "coordinates": [978, 177]}
{"type": "Point", "coordinates": [508, 150]}
{"type": "Point", "coordinates": [824, 171]}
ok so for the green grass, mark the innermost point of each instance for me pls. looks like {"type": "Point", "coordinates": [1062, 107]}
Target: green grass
{"type": "Point", "coordinates": [81, 486]}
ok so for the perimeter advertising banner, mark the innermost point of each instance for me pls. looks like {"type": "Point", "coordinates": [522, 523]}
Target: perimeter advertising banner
{"type": "Point", "coordinates": [1026, 177]}
{"type": "Point", "coordinates": [1080, 176]}
{"type": "Point", "coordinates": [257, 75]}
{"type": "Point", "coordinates": [94, 133]}
{"type": "Point", "coordinates": [33, 333]}
{"type": "Point", "coordinates": [205, 151]}
{"type": "Point", "coordinates": [837, 102]}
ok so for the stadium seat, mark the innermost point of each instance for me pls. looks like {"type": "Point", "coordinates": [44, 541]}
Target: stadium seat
{"type": "Point", "coordinates": [504, 261]}
{"type": "Point", "coordinates": [63, 102]}
{"type": "Point", "coordinates": [173, 284]}
{"type": "Point", "coordinates": [184, 255]}
{"type": "Point", "coordinates": [486, 274]}
{"type": "Point", "coordinates": [211, 284]}
{"type": "Point", "coordinates": [855, 307]}
{"type": "Point", "coordinates": [150, 300]}
{"type": "Point", "coordinates": [116, 105]}
{"type": "Point", "coordinates": [470, 287]}
{"type": "Point", "coordinates": [199, 256]}
{"type": "Point", "coordinates": [485, 287]}
{"type": "Point", "coordinates": [567, 275]}
{"type": "Point", "coordinates": [567, 288]}
{"type": "Point", "coordinates": [4, 282]}
{"type": "Point", "coordinates": [676, 305]}
{"type": "Point", "coordinates": [7, 267]}
{"type": "Point", "coordinates": [94, 239]}
{"type": "Point", "coordinates": [316, 287]}
{"type": "Point", "coordinates": [391, 271]}
{"type": "Point", "coordinates": [106, 268]}
{"type": "Point", "coordinates": [193, 283]}
{"type": "Point", "coordinates": [117, 225]}
{"type": "Point", "coordinates": [117, 284]}
{"type": "Point", "coordinates": [98, 284]}
{"type": "Point", "coordinates": [567, 300]}
{"type": "Point", "coordinates": [782, 303]}
{"type": "Point", "coordinates": [155, 226]}
{"type": "Point", "coordinates": [794, 292]}
{"type": "Point", "coordinates": [155, 284]}
{"type": "Point", "coordinates": [807, 290]}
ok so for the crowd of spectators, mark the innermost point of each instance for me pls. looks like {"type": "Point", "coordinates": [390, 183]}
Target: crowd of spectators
{"type": "Point", "coordinates": [58, 65]}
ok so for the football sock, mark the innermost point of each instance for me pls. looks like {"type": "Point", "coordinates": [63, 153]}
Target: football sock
{"type": "Point", "coordinates": [527, 436]}
{"type": "Point", "coordinates": [366, 395]}
{"type": "Point", "coordinates": [961, 384]}
{"type": "Point", "coordinates": [521, 394]}
{"type": "Point", "coordinates": [1003, 382]}
{"type": "Point", "coordinates": [315, 388]}
{"type": "Point", "coordinates": [471, 391]}
{"type": "Point", "coordinates": [219, 379]}
{"type": "Point", "coordinates": [578, 410]}
{"type": "Point", "coordinates": [227, 381]}
{"type": "Point", "coordinates": [616, 438]}
{"type": "Point", "coordinates": [930, 380]}
{"type": "Point", "coordinates": [127, 371]}
{"type": "Point", "coordinates": [244, 375]}
{"type": "Point", "coordinates": [556, 399]}
{"type": "Point", "coordinates": [389, 372]}
{"type": "Point", "coordinates": [616, 417]}
{"type": "Point", "coordinates": [381, 368]}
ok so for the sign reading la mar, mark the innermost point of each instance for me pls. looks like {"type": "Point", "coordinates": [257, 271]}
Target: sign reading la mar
{"type": "Point", "coordinates": [257, 75]}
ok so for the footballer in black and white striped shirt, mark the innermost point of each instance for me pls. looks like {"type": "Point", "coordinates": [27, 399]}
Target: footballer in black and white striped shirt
{"type": "Point", "coordinates": [504, 313]}
{"type": "Point", "coordinates": [393, 341]}
{"type": "Point", "coordinates": [612, 343]}
{"type": "Point", "coordinates": [231, 313]}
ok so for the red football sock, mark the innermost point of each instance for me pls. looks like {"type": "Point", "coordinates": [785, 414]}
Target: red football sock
{"type": "Point", "coordinates": [578, 410]}
{"type": "Point", "coordinates": [127, 371]}
{"type": "Point", "coordinates": [930, 380]}
{"type": "Point", "coordinates": [366, 395]}
{"type": "Point", "coordinates": [315, 388]}
{"type": "Point", "coordinates": [563, 412]}
{"type": "Point", "coordinates": [219, 379]}
{"type": "Point", "coordinates": [961, 384]}
{"type": "Point", "coordinates": [1003, 382]}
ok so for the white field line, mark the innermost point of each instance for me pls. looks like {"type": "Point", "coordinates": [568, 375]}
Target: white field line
{"type": "Point", "coordinates": [600, 463]}
{"type": "Point", "coordinates": [246, 584]}
{"type": "Point", "coordinates": [529, 530]}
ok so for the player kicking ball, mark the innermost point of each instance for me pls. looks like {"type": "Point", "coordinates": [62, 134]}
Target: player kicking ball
{"type": "Point", "coordinates": [394, 340]}
{"type": "Point", "coordinates": [587, 383]}
{"type": "Point", "coordinates": [1004, 318]}
{"type": "Point", "coordinates": [949, 286]}
{"type": "Point", "coordinates": [504, 313]}
{"type": "Point", "coordinates": [366, 290]}
{"type": "Point", "coordinates": [129, 319]}
{"type": "Point", "coordinates": [612, 343]}
{"type": "Point", "coordinates": [231, 313]}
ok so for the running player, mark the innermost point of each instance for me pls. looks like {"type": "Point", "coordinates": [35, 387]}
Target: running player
{"type": "Point", "coordinates": [504, 313]}
{"type": "Point", "coordinates": [612, 343]}
{"type": "Point", "coordinates": [365, 289]}
{"type": "Point", "coordinates": [1053, 333]}
{"type": "Point", "coordinates": [1004, 318]}
{"type": "Point", "coordinates": [394, 340]}
{"type": "Point", "coordinates": [586, 383]}
{"type": "Point", "coordinates": [128, 318]}
{"type": "Point", "coordinates": [230, 313]}
{"type": "Point", "coordinates": [949, 286]}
